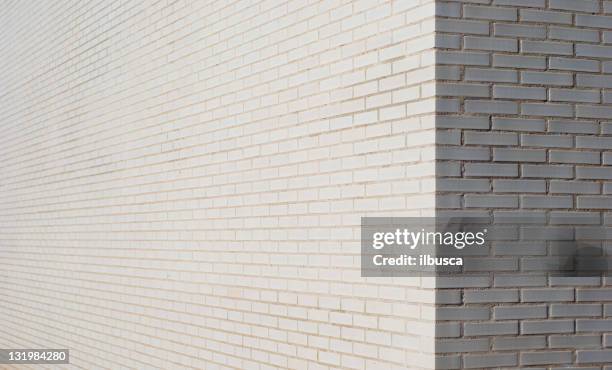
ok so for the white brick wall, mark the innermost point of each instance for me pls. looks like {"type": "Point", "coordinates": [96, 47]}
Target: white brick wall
{"type": "Point", "coordinates": [182, 182]}
{"type": "Point", "coordinates": [528, 137]}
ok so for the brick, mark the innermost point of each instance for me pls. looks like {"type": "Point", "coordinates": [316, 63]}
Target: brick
{"type": "Point", "coordinates": [586, 80]}
{"type": "Point", "coordinates": [524, 217]}
{"type": "Point", "coordinates": [490, 43]}
{"type": "Point", "coordinates": [456, 153]}
{"type": "Point", "coordinates": [461, 313]}
{"type": "Point", "coordinates": [547, 141]}
{"type": "Point", "coordinates": [593, 173]}
{"type": "Point", "coordinates": [570, 64]}
{"type": "Point", "coordinates": [472, 281]}
{"type": "Point", "coordinates": [490, 138]}
{"type": "Point", "coordinates": [490, 201]}
{"type": "Point", "coordinates": [462, 26]}
{"type": "Point", "coordinates": [589, 6]}
{"type": "Point", "coordinates": [490, 360]}
{"type": "Point", "coordinates": [546, 358]}
{"type": "Point", "coordinates": [593, 111]}
{"type": "Point", "coordinates": [599, 356]}
{"type": "Point", "coordinates": [517, 30]}
{"type": "Point", "coordinates": [573, 34]}
{"type": "Point", "coordinates": [519, 61]}
{"type": "Point", "coordinates": [490, 75]}
{"type": "Point", "coordinates": [491, 169]}
{"type": "Point", "coordinates": [574, 187]}
{"type": "Point", "coordinates": [547, 78]}
{"type": "Point", "coordinates": [462, 185]}
{"type": "Point", "coordinates": [519, 186]}
{"type": "Point", "coordinates": [544, 16]}
{"type": "Point", "coordinates": [489, 13]}
{"type": "Point", "coordinates": [462, 122]}
{"type": "Point", "coordinates": [573, 95]}
{"type": "Point", "coordinates": [598, 21]}
{"type": "Point", "coordinates": [518, 124]}
{"type": "Point", "coordinates": [520, 280]}
{"type": "Point", "coordinates": [575, 310]}
{"type": "Point", "coordinates": [462, 58]}
{"type": "Point", "coordinates": [547, 171]}
{"type": "Point", "coordinates": [532, 201]}
{"type": "Point", "coordinates": [573, 127]}
{"type": "Point", "coordinates": [549, 326]}
{"type": "Point", "coordinates": [447, 9]}
{"type": "Point", "coordinates": [516, 343]}
{"type": "Point", "coordinates": [519, 312]}
{"type": "Point", "coordinates": [490, 328]}
{"type": "Point", "coordinates": [547, 295]}
{"type": "Point", "coordinates": [485, 264]}
{"type": "Point", "coordinates": [593, 202]}
{"type": "Point", "coordinates": [596, 295]}
{"type": "Point", "coordinates": [586, 50]}
{"type": "Point", "coordinates": [472, 90]}
{"type": "Point", "coordinates": [546, 109]}
{"type": "Point", "coordinates": [522, 3]}
{"type": "Point", "coordinates": [574, 341]}
{"type": "Point", "coordinates": [461, 345]}
{"type": "Point", "coordinates": [593, 325]}
{"type": "Point", "coordinates": [546, 47]}
{"type": "Point", "coordinates": [592, 142]}
{"type": "Point", "coordinates": [515, 92]}
{"type": "Point", "coordinates": [518, 155]}
{"type": "Point", "coordinates": [491, 106]}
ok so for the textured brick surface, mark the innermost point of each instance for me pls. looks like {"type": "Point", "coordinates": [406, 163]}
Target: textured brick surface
{"type": "Point", "coordinates": [543, 144]}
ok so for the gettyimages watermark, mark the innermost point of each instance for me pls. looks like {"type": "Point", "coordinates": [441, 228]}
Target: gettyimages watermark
{"type": "Point", "coordinates": [409, 246]}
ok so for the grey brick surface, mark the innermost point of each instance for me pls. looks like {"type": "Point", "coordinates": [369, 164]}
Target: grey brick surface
{"type": "Point", "coordinates": [549, 171]}
{"type": "Point", "coordinates": [519, 186]}
{"type": "Point", "coordinates": [490, 75]}
{"type": "Point", "coordinates": [574, 341]}
{"type": "Point", "coordinates": [491, 106]}
{"type": "Point", "coordinates": [546, 47]}
{"type": "Point", "coordinates": [574, 187]}
{"type": "Point", "coordinates": [489, 13]}
{"type": "Point", "coordinates": [546, 358]}
{"type": "Point", "coordinates": [519, 124]}
{"type": "Point", "coordinates": [517, 30]}
{"type": "Point", "coordinates": [491, 169]}
{"type": "Point", "coordinates": [575, 310]}
{"type": "Point", "coordinates": [490, 328]}
{"type": "Point", "coordinates": [588, 6]}
{"type": "Point", "coordinates": [462, 345]}
{"type": "Point", "coordinates": [535, 95]}
{"type": "Point", "coordinates": [518, 155]}
{"type": "Point", "coordinates": [599, 356]}
{"type": "Point", "coordinates": [515, 92]}
{"type": "Point", "coordinates": [519, 312]}
{"type": "Point", "coordinates": [517, 343]}
{"type": "Point", "coordinates": [520, 61]}
{"type": "Point", "coordinates": [545, 16]}
{"type": "Point", "coordinates": [490, 360]}
{"type": "Point", "coordinates": [547, 295]}
{"type": "Point", "coordinates": [490, 43]}
{"type": "Point", "coordinates": [547, 78]}
{"type": "Point", "coordinates": [571, 64]}
{"type": "Point", "coordinates": [570, 156]}
{"type": "Point", "coordinates": [547, 326]}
